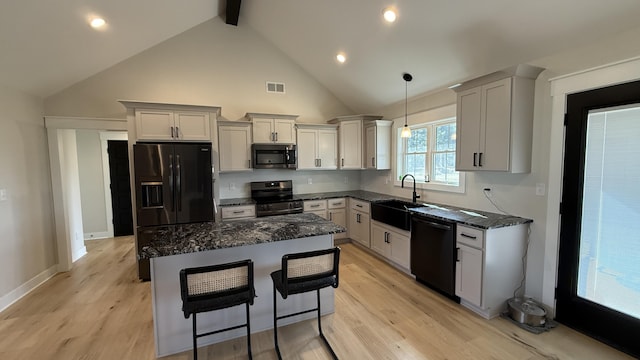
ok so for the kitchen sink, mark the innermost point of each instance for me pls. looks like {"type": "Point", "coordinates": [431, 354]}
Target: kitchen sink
{"type": "Point", "coordinates": [393, 212]}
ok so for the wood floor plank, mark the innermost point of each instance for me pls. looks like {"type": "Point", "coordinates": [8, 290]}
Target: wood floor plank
{"type": "Point", "coordinates": [99, 310]}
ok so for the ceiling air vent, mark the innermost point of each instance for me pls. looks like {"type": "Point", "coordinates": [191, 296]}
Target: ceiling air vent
{"type": "Point", "coordinates": [275, 87]}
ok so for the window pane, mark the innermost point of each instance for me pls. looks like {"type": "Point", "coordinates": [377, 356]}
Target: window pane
{"type": "Point", "coordinates": [416, 166]}
{"type": "Point", "coordinates": [444, 168]}
{"type": "Point", "coordinates": [418, 141]}
{"type": "Point", "coordinates": [446, 137]}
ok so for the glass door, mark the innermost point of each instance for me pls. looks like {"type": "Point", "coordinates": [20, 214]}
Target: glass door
{"type": "Point", "coordinates": [599, 266]}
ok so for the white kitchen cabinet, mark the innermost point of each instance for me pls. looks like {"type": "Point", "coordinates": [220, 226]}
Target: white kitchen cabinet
{"type": "Point", "coordinates": [154, 125]}
{"type": "Point", "coordinates": [489, 266]}
{"type": "Point", "coordinates": [273, 128]}
{"type": "Point", "coordinates": [317, 147]}
{"type": "Point", "coordinates": [318, 207]}
{"type": "Point", "coordinates": [235, 146]}
{"type": "Point", "coordinates": [391, 243]}
{"type": "Point", "coordinates": [494, 129]}
{"type": "Point", "coordinates": [238, 212]}
{"type": "Point", "coordinates": [170, 122]}
{"type": "Point", "coordinates": [359, 222]}
{"type": "Point", "coordinates": [378, 144]}
{"type": "Point", "coordinates": [351, 139]}
{"type": "Point", "coordinates": [337, 211]}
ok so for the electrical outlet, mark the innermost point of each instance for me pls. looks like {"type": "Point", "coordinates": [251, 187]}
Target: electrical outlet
{"type": "Point", "coordinates": [309, 181]}
{"type": "Point", "coordinates": [540, 189]}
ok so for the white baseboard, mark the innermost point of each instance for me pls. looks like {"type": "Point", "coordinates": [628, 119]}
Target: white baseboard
{"type": "Point", "coordinates": [97, 235]}
{"type": "Point", "coordinates": [22, 290]}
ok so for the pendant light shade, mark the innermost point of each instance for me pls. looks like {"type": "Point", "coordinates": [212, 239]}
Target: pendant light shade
{"type": "Point", "coordinates": [406, 131]}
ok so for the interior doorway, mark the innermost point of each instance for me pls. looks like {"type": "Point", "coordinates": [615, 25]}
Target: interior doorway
{"type": "Point", "coordinates": [598, 272]}
{"type": "Point", "coordinates": [120, 193]}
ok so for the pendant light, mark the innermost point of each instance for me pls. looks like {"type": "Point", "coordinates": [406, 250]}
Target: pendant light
{"type": "Point", "coordinates": [406, 131]}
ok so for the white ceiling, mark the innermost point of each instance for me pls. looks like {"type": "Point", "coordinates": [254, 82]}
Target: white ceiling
{"type": "Point", "coordinates": [46, 45]}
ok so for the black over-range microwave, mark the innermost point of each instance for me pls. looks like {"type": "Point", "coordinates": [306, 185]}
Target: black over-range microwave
{"type": "Point", "coordinates": [268, 156]}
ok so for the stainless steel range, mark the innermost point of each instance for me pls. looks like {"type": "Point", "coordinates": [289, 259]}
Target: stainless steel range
{"type": "Point", "coordinates": [275, 198]}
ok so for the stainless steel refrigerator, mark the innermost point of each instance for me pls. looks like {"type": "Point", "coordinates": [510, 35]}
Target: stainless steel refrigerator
{"type": "Point", "coordinates": [174, 186]}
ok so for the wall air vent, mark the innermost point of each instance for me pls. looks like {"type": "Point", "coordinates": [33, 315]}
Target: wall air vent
{"type": "Point", "coordinates": [275, 87]}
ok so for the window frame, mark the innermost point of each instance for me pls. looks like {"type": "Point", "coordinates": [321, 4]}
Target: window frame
{"type": "Point", "coordinates": [430, 119]}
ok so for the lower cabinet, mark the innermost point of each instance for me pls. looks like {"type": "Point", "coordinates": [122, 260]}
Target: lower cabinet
{"type": "Point", "coordinates": [392, 243]}
{"type": "Point", "coordinates": [238, 212]}
{"type": "Point", "coordinates": [337, 211]}
{"type": "Point", "coordinates": [359, 221]}
{"type": "Point", "coordinates": [489, 266]}
{"type": "Point", "coordinates": [318, 207]}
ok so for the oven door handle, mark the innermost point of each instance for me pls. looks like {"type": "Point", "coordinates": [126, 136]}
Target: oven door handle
{"type": "Point", "coordinates": [285, 211]}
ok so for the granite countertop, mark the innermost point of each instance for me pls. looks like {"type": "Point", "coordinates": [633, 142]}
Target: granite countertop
{"type": "Point", "coordinates": [188, 238]}
{"type": "Point", "coordinates": [476, 218]}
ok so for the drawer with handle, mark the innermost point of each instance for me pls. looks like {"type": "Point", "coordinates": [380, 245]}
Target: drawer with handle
{"type": "Point", "coordinates": [237, 212]}
{"type": "Point", "coordinates": [315, 205]}
{"type": "Point", "coordinates": [471, 236]}
{"type": "Point", "coordinates": [359, 205]}
{"type": "Point", "coordinates": [336, 203]}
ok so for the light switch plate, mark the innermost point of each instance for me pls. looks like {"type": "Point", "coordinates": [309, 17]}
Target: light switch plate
{"type": "Point", "coordinates": [3, 194]}
{"type": "Point", "coordinates": [540, 189]}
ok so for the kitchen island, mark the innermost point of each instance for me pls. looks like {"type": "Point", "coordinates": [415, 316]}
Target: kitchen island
{"type": "Point", "coordinates": [264, 240]}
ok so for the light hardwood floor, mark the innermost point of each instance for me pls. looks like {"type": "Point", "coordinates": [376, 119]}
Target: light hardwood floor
{"type": "Point", "coordinates": [99, 310]}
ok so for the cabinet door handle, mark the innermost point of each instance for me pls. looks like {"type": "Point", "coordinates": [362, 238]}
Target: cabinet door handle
{"type": "Point", "coordinates": [358, 218]}
{"type": "Point", "coordinates": [358, 205]}
{"type": "Point", "coordinates": [475, 155]}
{"type": "Point", "coordinates": [330, 216]}
{"type": "Point", "coordinates": [342, 162]}
{"type": "Point", "coordinates": [172, 132]}
{"type": "Point", "coordinates": [480, 159]}
{"type": "Point", "coordinates": [386, 237]}
{"type": "Point", "coordinates": [276, 136]}
{"type": "Point", "coordinates": [314, 205]}
{"type": "Point", "coordinates": [239, 212]}
{"type": "Point", "coordinates": [468, 236]}
{"type": "Point", "coordinates": [177, 132]}
{"type": "Point", "coordinates": [320, 162]}
{"type": "Point", "coordinates": [249, 163]}
{"type": "Point", "coordinates": [373, 161]}
{"type": "Point", "coordinates": [457, 254]}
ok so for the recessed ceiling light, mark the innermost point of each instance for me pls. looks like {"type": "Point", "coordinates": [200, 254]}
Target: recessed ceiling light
{"type": "Point", "coordinates": [341, 57]}
{"type": "Point", "coordinates": [97, 22]}
{"type": "Point", "coordinates": [390, 14]}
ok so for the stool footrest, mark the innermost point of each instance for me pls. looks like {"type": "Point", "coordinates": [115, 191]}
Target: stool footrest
{"type": "Point", "coordinates": [221, 330]}
{"type": "Point", "coordinates": [298, 313]}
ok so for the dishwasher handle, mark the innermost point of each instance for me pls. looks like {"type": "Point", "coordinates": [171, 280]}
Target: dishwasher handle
{"type": "Point", "coordinates": [436, 225]}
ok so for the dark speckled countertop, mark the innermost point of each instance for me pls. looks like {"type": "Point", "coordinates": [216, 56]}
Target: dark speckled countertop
{"type": "Point", "coordinates": [188, 238]}
{"type": "Point", "coordinates": [477, 218]}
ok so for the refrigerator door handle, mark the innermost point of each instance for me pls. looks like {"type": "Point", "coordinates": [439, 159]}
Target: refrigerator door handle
{"type": "Point", "coordinates": [171, 180]}
{"type": "Point", "coordinates": [178, 183]}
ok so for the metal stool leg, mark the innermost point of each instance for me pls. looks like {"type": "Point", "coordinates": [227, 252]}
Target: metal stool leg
{"type": "Point", "coordinates": [249, 333]}
{"type": "Point", "coordinates": [333, 354]}
{"type": "Point", "coordinates": [275, 324]}
{"type": "Point", "coordinates": [195, 339]}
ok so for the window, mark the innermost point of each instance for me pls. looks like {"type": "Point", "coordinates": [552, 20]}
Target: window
{"type": "Point", "coordinates": [430, 156]}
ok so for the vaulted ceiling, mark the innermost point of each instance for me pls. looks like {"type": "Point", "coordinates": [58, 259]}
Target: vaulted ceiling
{"type": "Point", "coordinates": [46, 46]}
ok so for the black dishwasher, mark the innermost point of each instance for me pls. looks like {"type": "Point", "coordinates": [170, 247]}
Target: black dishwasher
{"type": "Point", "coordinates": [433, 250]}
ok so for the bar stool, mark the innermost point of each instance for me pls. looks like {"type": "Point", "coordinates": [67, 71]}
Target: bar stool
{"type": "Point", "coordinates": [217, 287]}
{"type": "Point", "coordinates": [304, 272]}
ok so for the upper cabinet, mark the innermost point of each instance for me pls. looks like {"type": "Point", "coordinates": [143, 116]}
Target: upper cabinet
{"type": "Point", "coordinates": [377, 142]}
{"type": "Point", "coordinates": [350, 140]}
{"type": "Point", "coordinates": [317, 146]}
{"type": "Point", "coordinates": [495, 121]}
{"type": "Point", "coordinates": [273, 128]}
{"type": "Point", "coordinates": [235, 145]}
{"type": "Point", "coordinates": [171, 122]}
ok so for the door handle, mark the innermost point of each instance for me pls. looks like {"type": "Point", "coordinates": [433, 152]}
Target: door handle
{"type": "Point", "coordinates": [179, 182]}
{"type": "Point", "coordinates": [468, 236]}
{"type": "Point", "coordinates": [475, 155]}
{"type": "Point", "coordinates": [171, 178]}
{"type": "Point", "coordinates": [276, 136]}
{"type": "Point", "coordinates": [358, 218]}
{"type": "Point", "coordinates": [342, 162]}
{"type": "Point", "coordinates": [249, 163]}
{"type": "Point", "coordinates": [172, 132]}
{"type": "Point", "coordinates": [457, 254]}
{"type": "Point", "coordinates": [373, 161]}
{"type": "Point", "coordinates": [480, 159]}
{"type": "Point", "coordinates": [177, 132]}
{"type": "Point", "coordinates": [320, 162]}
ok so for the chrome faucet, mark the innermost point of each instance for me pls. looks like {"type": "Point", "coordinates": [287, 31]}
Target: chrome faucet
{"type": "Point", "coordinates": [415, 195]}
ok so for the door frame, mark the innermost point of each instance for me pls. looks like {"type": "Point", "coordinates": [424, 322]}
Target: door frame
{"type": "Point", "coordinates": [105, 136]}
{"type": "Point", "coordinates": [602, 76]}
{"type": "Point", "coordinates": [65, 216]}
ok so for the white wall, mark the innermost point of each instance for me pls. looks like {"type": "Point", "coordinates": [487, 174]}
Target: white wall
{"type": "Point", "coordinates": [27, 243]}
{"type": "Point", "coordinates": [210, 64]}
{"type": "Point", "coordinates": [94, 216]}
